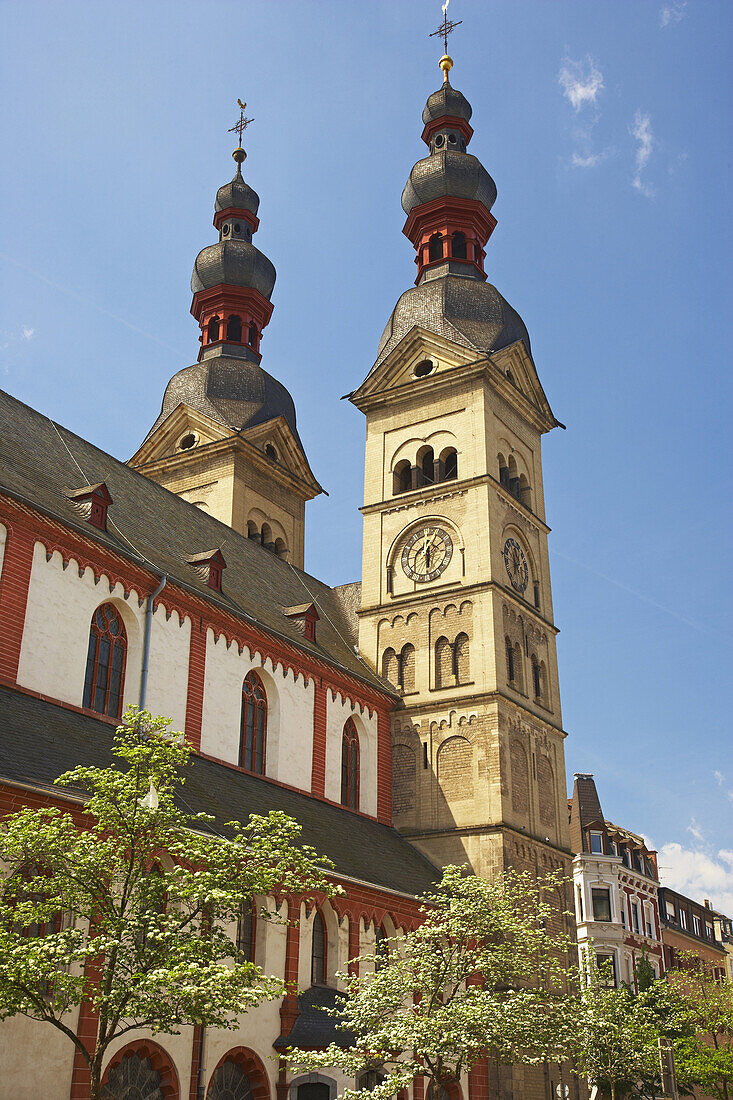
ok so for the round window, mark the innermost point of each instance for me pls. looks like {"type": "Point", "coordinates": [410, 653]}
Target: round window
{"type": "Point", "coordinates": [237, 227]}
{"type": "Point", "coordinates": [271, 451]}
{"type": "Point", "coordinates": [439, 141]}
{"type": "Point", "coordinates": [451, 139]}
{"type": "Point", "coordinates": [225, 230]}
{"type": "Point", "coordinates": [427, 366]}
{"type": "Point", "coordinates": [187, 442]}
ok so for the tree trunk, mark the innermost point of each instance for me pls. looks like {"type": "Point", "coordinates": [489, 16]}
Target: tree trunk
{"type": "Point", "coordinates": [613, 1090]}
{"type": "Point", "coordinates": [95, 1081]}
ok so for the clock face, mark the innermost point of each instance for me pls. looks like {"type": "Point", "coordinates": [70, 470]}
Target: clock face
{"type": "Point", "coordinates": [427, 553]}
{"type": "Point", "coordinates": [516, 565]}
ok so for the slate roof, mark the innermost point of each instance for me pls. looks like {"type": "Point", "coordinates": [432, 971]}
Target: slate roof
{"type": "Point", "coordinates": [165, 530]}
{"type": "Point", "coordinates": [40, 740]}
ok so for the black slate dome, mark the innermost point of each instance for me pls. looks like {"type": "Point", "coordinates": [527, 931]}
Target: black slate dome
{"type": "Point", "coordinates": [448, 172]}
{"type": "Point", "coordinates": [233, 391]}
{"type": "Point", "coordinates": [235, 262]}
{"type": "Point", "coordinates": [237, 195]}
{"type": "Point", "coordinates": [446, 102]}
{"type": "Point", "coordinates": [465, 311]}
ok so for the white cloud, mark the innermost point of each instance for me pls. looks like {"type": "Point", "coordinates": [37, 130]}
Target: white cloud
{"type": "Point", "coordinates": [672, 13]}
{"type": "Point", "coordinates": [719, 778]}
{"type": "Point", "coordinates": [28, 333]}
{"type": "Point", "coordinates": [642, 131]}
{"type": "Point", "coordinates": [699, 874]}
{"type": "Point", "coordinates": [581, 81]}
{"type": "Point", "coordinates": [694, 829]}
{"type": "Point", "coordinates": [591, 160]}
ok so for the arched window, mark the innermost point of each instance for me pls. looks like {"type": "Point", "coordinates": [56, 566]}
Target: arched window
{"type": "Point", "coordinates": [525, 493]}
{"type": "Point", "coordinates": [518, 668]}
{"type": "Point", "coordinates": [253, 732]}
{"type": "Point", "coordinates": [435, 248]}
{"type": "Point", "coordinates": [536, 678]}
{"type": "Point", "coordinates": [449, 464]}
{"type": "Point", "coordinates": [426, 464]}
{"type": "Point", "coordinates": [213, 329]}
{"type": "Point", "coordinates": [350, 766]}
{"type": "Point", "coordinates": [281, 549]}
{"type": "Point", "coordinates": [253, 531]}
{"type": "Point", "coordinates": [381, 948]}
{"type": "Point", "coordinates": [402, 477]}
{"type": "Point", "coordinates": [266, 536]}
{"type": "Point", "coordinates": [252, 336]}
{"type": "Point", "coordinates": [246, 930]}
{"type": "Point", "coordinates": [510, 669]}
{"type": "Point", "coordinates": [461, 660]}
{"type": "Point", "coordinates": [318, 951]}
{"type": "Point", "coordinates": [503, 471]}
{"type": "Point", "coordinates": [390, 667]}
{"type": "Point", "coordinates": [407, 668]}
{"type": "Point", "coordinates": [443, 663]}
{"type": "Point", "coordinates": [105, 672]}
{"type": "Point", "coordinates": [459, 246]}
{"type": "Point", "coordinates": [234, 330]}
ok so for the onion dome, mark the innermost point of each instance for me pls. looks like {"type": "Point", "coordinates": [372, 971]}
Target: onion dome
{"type": "Point", "coordinates": [448, 172]}
{"type": "Point", "coordinates": [237, 195]}
{"type": "Point", "coordinates": [466, 311]}
{"type": "Point", "coordinates": [235, 392]}
{"type": "Point", "coordinates": [235, 262]}
{"type": "Point", "coordinates": [446, 102]}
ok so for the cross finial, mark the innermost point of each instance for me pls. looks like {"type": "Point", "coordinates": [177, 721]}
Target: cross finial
{"type": "Point", "coordinates": [444, 30]}
{"type": "Point", "coordinates": [238, 128]}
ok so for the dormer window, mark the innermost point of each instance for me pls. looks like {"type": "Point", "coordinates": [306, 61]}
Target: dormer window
{"type": "Point", "coordinates": [92, 501]}
{"type": "Point", "coordinates": [596, 843]}
{"type": "Point", "coordinates": [305, 617]}
{"type": "Point", "coordinates": [210, 567]}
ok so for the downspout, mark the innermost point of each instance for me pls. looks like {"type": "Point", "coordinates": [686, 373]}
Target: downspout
{"type": "Point", "coordinates": [146, 642]}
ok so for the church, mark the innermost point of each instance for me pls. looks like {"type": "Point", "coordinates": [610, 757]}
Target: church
{"type": "Point", "coordinates": [408, 720]}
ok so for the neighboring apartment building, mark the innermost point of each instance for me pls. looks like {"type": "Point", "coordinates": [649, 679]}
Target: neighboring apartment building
{"type": "Point", "coordinates": [689, 926]}
{"type": "Point", "coordinates": [615, 887]}
{"type": "Point", "coordinates": [724, 932]}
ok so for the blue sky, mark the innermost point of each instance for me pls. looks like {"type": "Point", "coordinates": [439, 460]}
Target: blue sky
{"type": "Point", "coordinates": [605, 124]}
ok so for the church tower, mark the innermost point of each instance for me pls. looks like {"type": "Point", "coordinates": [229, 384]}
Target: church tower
{"type": "Point", "coordinates": [456, 606]}
{"type": "Point", "coordinates": [226, 438]}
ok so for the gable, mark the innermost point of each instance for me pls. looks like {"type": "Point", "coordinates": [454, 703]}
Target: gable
{"type": "Point", "coordinates": [404, 366]}
{"type": "Point", "coordinates": [172, 436]}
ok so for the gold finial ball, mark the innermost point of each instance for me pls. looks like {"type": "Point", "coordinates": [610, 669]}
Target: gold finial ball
{"type": "Point", "coordinates": [239, 155]}
{"type": "Point", "coordinates": [446, 64]}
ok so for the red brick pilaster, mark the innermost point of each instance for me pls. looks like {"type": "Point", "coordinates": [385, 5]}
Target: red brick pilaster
{"type": "Point", "coordinates": [384, 767]}
{"type": "Point", "coordinates": [196, 673]}
{"type": "Point", "coordinates": [289, 1006]}
{"type": "Point", "coordinates": [86, 1030]}
{"type": "Point", "coordinates": [318, 767]}
{"type": "Point", "coordinates": [478, 1081]}
{"type": "Point", "coordinates": [197, 1049]}
{"type": "Point", "coordinates": [418, 1088]}
{"type": "Point", "coordinates": [354, 923]}
{"type": "Point", "coordinates": [14, 582]}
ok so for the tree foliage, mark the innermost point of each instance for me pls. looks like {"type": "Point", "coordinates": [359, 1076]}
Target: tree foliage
{"type": "Point", "coordinates": [129, 912]}
{"type": "Point", "coordinates": [481, 972]}
{"type": "Point", "coordinates": [704, 1054]}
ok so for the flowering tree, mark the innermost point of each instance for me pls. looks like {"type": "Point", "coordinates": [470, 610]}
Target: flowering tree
{"type": "Point", "coordinates": [480, 973]}
{"type": "Point", "coordinates": [704, 1056]}
{"type": "Point", "coordinates": [128, 912]}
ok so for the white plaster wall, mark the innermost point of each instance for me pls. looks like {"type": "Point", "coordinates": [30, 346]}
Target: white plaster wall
{"type": "Point", "coordinates": [36, 1060]}
{"type": "Point", "coordinates": [3, 541]}
{"type": "Point", "coordinates": [290, 701]}
{"type": "Point", "coordinates": [168, 668]}
{"type": "Point", "coordinates": [56, 634]}
{"type": "Point", "coordinates": [338, 711]}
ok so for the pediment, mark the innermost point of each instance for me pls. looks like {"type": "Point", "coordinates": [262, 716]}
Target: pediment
{"type": "Point", "coordinates": [401, 368]}
{"type": "Point", "coordinates": [514, 364]}
{"type": "Point", "coordinates": [281, 448]}
{"type": "Point", "coordinates": [166, 440]}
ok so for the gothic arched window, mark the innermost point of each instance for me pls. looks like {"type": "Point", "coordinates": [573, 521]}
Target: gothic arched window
{"type": "Point", "coordinates": [318, 951]}
{"type": "Point", "coordinates": [381, 948]}
{"type": "Point", "coordinates": [246, 930]}
{"type": "Point", "coordinates": [234, 330]}
{"type": "Point", "coordinates": [350, 766]}
{"type": "Point", "coordinates": [105, 672]}
{"type": "Point", "coordinates": [253, 732]}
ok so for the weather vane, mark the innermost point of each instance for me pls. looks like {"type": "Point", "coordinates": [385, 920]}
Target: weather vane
{"type": "Point", "coordinates": [446, 27]}
{"type": "Point", "coordinates": [239, 128]}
